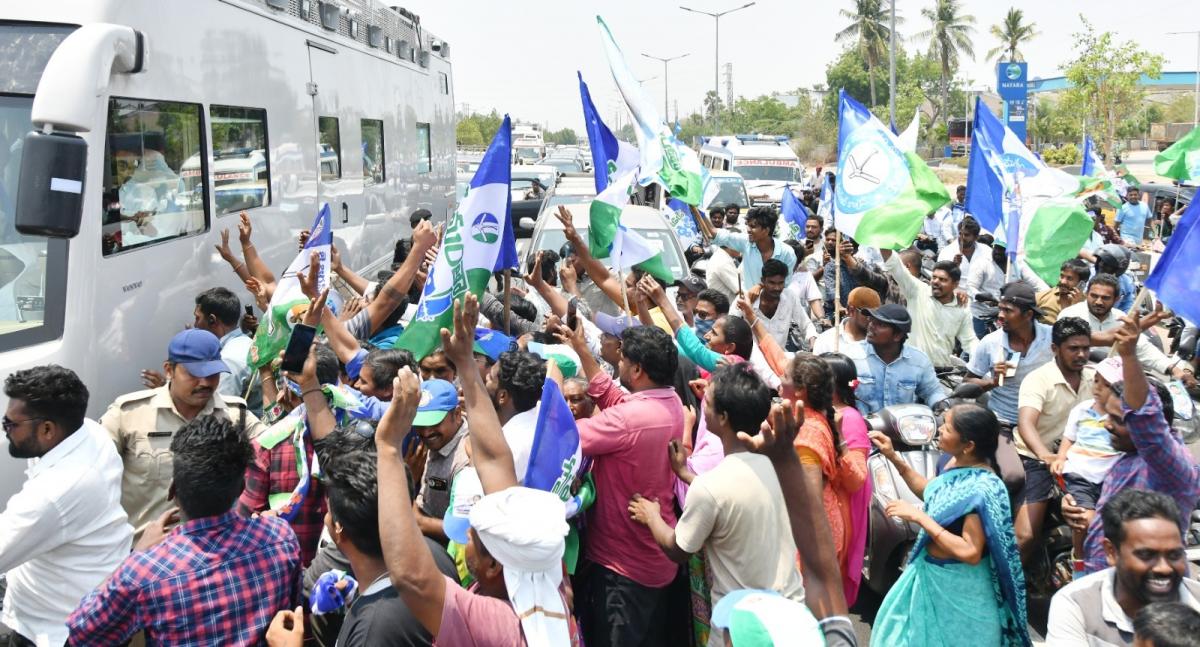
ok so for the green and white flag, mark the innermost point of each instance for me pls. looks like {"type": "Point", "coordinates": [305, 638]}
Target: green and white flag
{"type": "Point", "coordinates": [883, 192]}
{"type": "Point", "coordinates": [1182, 160]}
{"type": "Point", "coordinates": [615, 164]}
{"type": "Point", "coordinates": [665, 159]}
{"type": "Point", "coordinates": [478, 241]}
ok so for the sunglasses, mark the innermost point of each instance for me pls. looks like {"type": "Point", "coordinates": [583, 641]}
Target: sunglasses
{"type": "Point", "coordinates": [9, 424]}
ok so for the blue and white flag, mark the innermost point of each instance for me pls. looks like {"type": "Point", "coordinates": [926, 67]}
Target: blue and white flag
{"type": "Point", "coordinates": [825, 206]}
{"type": "Point", "coordinates": [1093, 166]}
{"type": "Point", "coordinates": [1174, 278]}
{"type": "Point", "coordinates": [683, 221]}
{"type": "Point", "coordinates": [795, 215]}
{"type": "Point", "coordinates": [556, 455]}
{"type": "Point", "coordinates": [478, 242]}
{"type": "Point", "coordinates": [611, 157]}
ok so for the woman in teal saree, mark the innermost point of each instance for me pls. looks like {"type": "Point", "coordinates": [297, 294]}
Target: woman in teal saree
{"type": "Point", "coordinates": [963, 584]}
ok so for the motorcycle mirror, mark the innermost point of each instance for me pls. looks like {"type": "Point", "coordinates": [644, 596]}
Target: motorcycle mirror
{"type": "Point", "coordinates": [966, 391]}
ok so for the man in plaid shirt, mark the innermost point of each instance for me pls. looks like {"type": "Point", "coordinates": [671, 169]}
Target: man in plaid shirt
{"type": "Point", "coordinates": [1155, 457]}
{"type": "Point", "coordinates": [216, 578]}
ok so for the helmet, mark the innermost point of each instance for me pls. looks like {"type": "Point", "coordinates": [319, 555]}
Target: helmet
{"type": "Point", "coordinates": [1112, 259]}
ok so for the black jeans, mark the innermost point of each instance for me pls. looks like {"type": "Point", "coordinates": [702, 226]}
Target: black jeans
{"type": "Point", "coordinates": [615, 611]}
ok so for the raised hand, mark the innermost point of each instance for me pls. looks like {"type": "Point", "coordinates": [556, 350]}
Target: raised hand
{"type": "Point", "coordinates": [397, 421]}
{"type": "Point", "coordinates": [302, 240]}
{"type": "Point", "coordinates": [424, 237]}
{"type": "Point", "coordinates": [244, 229]}
{"type": "Point", "coordinates": [746, 307]}
{"type": "Point", "coordinates": [568, 222]}
{"type": "Point", "coordinates": [460, 344]}
{"type": "Point", "coordinates": [651, 289]}
{"type": "Point", "coordinates": [223, 249]}
{"type": "Point", "coordinates": [287, 629]}
{"type": "Point", "coordinates": [152, 379]}
{"type": "Point", "coordinates": [1126, 336]}
{"type": "Point", "coordinates": [308, 280]}
{"type": "Point", "coordinates": [312, 316]}
{"type": "Point", "coordinates": [534, 278]}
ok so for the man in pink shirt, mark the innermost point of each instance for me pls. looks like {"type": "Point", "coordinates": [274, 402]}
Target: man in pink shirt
{"type": "Point", "coordinates": [622, 587]}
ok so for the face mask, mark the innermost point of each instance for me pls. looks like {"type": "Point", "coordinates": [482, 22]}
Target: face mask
{"type": "Point", "coordinates": [703, 326]}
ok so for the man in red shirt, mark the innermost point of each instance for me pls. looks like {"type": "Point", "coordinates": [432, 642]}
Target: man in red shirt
{"type": "Point", "coordinates": [622, 586]}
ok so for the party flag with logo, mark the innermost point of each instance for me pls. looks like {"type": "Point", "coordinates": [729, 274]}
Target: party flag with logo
{"type": "Point", "coordinates": [1174, 278]}
{"type": "Point", "coordinates": [883, 192]}
{"type": "Point", "coordinates": [478, 241]}
{"type": "Point", "coordinates": [1182, 160]}
{"type": "Point", "coordinates": [288, 303]}
{"type": "Point", "coordinates": [556, 455]}
{"type": "Point", "coordinates": [794, 216]}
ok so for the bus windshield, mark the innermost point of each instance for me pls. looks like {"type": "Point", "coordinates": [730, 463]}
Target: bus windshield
{"type": "Point", "coordinates": [731, 191]}
{"type": "Point", "coordinates": [31, 267]}
{"type": "Point", "coordinates": [767, 173]}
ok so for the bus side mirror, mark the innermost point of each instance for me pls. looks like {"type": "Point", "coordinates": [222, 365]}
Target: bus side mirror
{"type": "Point", "coordinates": [50, 189]}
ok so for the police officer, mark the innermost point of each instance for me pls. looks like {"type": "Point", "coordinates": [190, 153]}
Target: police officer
{"type": "Point", "coordinates": [142, 423]}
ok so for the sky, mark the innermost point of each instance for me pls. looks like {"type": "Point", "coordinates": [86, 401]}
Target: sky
{"type": "Point", "coordinates": [520, 56]}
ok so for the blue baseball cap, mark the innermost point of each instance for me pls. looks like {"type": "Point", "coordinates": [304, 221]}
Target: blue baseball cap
{"type": "Point", "coordinates": [198, 351]}
{"type": "Point", "coordinates": [491, 343]}
{"type": "Point", "coordinates": [438, 397]}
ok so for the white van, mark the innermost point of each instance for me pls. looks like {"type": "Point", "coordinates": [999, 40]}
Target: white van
{"type": "Point", "coordinates": [191, 112]}
{"type": "Point", "coordinates": [766, 162]}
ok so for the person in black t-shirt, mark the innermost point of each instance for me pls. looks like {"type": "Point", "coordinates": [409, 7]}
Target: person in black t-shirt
{"type": "Point", "coordinates": [377, 616]}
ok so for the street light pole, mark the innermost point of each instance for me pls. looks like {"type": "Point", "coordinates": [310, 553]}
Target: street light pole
{"type": "Point", "coordinates": [892, 69]}
{"type": "Point", "coordinates": [717, 48]}
{"type": "Point", "coordinates": [666, 80]}
{"type": "Point", "coordinates": [1196, 95]}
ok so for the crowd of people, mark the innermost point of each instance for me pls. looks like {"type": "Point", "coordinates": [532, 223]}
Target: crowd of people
{"type": "Point", "coordinates": [724, 498]}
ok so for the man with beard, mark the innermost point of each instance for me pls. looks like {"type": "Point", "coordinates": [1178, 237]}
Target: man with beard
{"type": "Point", "coordinates": [938, 319]}
{"type": "Point", "coordinates": [1099, 311]}
{"type": "Point", "coordinates": [1147, 564]}
{"type": "Point", "coordinates": [966, 250]}
{"type": "Point", "coordinates": [892, 372]}
{"type": "Point", "coordinates": [1045, 402]}
{"type": "Point", "coordinates": [1005, 356]}
{"type": "Point", "coordinates": [777, 309]}
{"type": "Point", "coordinates": [1072, 276]}
{"type": "Point", "coordinates": [515, 386]}
{"type": "Point", "coordinates": [1155, 456]}
{"type": "Point", "coordinates": [143, 423]}
{"type": "Point", "coordinates": [65, 531]}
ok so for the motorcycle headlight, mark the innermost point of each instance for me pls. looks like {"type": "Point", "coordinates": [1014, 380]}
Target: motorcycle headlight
{"type": "Point", "coordinates": [917, 429]}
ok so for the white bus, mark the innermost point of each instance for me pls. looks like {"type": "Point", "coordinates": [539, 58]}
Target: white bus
{"type": "Point", "coordinates": [766, 162]}
{"type": "Point", "coordinates": [191, 112]}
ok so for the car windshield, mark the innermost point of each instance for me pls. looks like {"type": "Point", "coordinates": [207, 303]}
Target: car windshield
{"type": "Point", "coordinates": [528, 153]}
{"type": "Point", "coordinates": [767, 173]}
{"type": "Point", "coordinates": [29, 287]}
{"type": "Point", "coordinates": [731, 191]}
{"type": "Point", "coordinates": [659, 239]}
{"type": "Point", "coordinates": [545, 177]}
{"type": "Point", "coordinates": [563, 165]}
{"type": "Point", "coordinates": [556, 200]}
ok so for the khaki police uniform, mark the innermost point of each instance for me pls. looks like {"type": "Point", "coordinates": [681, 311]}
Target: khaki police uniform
{"type": "Point", "coordinates": [142, 425]}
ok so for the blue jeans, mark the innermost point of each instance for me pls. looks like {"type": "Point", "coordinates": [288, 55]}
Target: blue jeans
{"type": "Point", "coordinates": [982, 326]}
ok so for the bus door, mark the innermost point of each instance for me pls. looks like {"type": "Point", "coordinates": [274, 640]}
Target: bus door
{"type": "Point", "coordinates": [336, 129]}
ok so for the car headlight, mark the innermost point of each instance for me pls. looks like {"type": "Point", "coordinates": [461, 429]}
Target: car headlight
{"type": "Point", "coordinates": [916, 429]}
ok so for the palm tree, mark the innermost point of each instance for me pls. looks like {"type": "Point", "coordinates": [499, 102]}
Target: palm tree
{"type": "Point", "coordinates": [870, 29]}
{"type": "Point", "coordinates": [949, 36]}
{"type": "Point", "coordinates": [1011, 33]}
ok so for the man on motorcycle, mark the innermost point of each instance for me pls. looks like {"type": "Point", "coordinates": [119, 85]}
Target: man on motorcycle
{"type": "Point", "coordinates": [1114, 260]}
{"type": "Point", "coordinates": [891, 372]}
{"type": "Point", "coordinates": [1046, 399]}
{"type": "Point", "coordinates": [1005, 356]}
{"type": "Point", "coordinates": [1073, 274]}
{"type": "Point", "coordinates": [1155, 456]}
{"type": "Point", "coordinates": [1105, 320]}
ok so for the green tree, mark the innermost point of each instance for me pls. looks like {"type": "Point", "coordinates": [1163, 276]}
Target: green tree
{"type": "Point", "coordinates": [949, 36]}
{"type": "Point", "coordinates": [1104, 79]}
{"type": "Point", "coordinates": [566, 136]}
{"type": "Point", "coordinates": [712, 105]}
{"type": "Point", "coordinates": [869, 30]}
{"type": "Point", "coordinates": [467, 133]}
{"type": "Point", "coordinates": [1181, 109]}
{"type": "Point", "coordinates": [1011, 33]}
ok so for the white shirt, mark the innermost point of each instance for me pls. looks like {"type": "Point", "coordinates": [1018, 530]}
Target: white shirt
{"type": "Point", "coordinates": [722, 274]}
{"type": "Point", "coordinates": [935, 325]}
{"type": "Point", "coordinates": [518, 433]}
{"type": "Point", "coordinates": [982, 255]}
{"type": "Point", "coordinates": [63, 533]}
{"type": "Point", "coordinates": [1148, 355]}
{"type": "Point", "coordinates": [805, 287]}
{"type": "Point", "coordinates": [847, 345]}
{"type": "Point", "coordinates": [1067, 624]}
{"type": "Point", "coordinates": [791, 310]}
{"type": "Point", "coordinates": [235, 346]}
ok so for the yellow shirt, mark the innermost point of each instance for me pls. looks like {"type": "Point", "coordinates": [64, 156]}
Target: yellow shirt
{"type": "Point", "coordinates": [142, 425]}
{"type": "Point", "coordinates": [1046, 390]}
{"type": "Point", "coordinates": [1048, 303]}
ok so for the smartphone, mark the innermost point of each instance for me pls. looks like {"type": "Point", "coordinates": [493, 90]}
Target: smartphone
{"type": "Point", "coordinates": [249, 310]}
{"type": "Point", "coordinates": [297, 348]}
{"type": "Point", "coordinates": [1013, 359]}
{"type": "Point", "coordinates": [572, 317]}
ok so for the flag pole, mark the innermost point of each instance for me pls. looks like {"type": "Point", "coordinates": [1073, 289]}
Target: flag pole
{"type": "Point", "coordinates": [837, 287]}
{"type": "Point", "coordinates": [507, 301]}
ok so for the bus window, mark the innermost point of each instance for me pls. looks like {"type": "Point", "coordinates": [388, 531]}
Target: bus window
{"type": "Point", "coordinates": [154, 172]}
{"type": "Point", "coordinates": [444, 82]}
{"type": "Point", "coordinates": [424, 154]}
{"type": "Point", "coordinates": [372, 152]}
{"type": "Point", "coordinates": [240, 168]}
{"type": "Point", "coordinates": [331, 148]}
